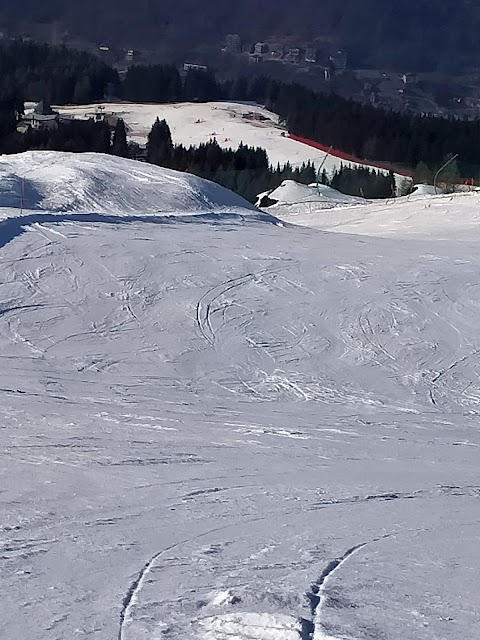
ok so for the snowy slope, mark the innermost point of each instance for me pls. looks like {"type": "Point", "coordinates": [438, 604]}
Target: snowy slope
{"type": "Point", "coordinates": [193, 123]}
{"type": "Point", "coordinates": [418, 216]}
{"type": "Point", "coordinates": [232, 431]}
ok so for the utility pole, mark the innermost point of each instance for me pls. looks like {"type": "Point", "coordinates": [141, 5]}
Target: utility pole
{"type": "Point", "coordinates": [22, 197]}
{"type": "Point", "coordinates": [444, 166]}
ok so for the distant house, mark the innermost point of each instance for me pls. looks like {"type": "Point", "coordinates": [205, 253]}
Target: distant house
{"type": "Point", "coordinates": [339, 61]}
{"type": "Point", "coordinates": [42, 117]}
{"type": "Point", "coordinates": [261, 48]}
{"type": "Point", "coordinates": [311, 54]}
{"type": "Point", "coordinates": [294, 55]}
{"type": "Point", "coordinates": [188, 66]}
{"type": "Point", "coordinates": [233, 43]}
{"type": "Point", "coordinates": [255, 115]}
{"type": "Point", "coordinates": [101, 115]}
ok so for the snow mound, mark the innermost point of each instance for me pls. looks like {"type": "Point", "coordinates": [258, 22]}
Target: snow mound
{"type": "Point", "coordinates": [425, 190]}
{"type": "Point", "coordinates": [223, 598]}
{"type": "Point", "coordinates": [322, 196]}
{"type": "Point", "coordinates": [96, 183]}
{"type": "Point", "coordinates": [250, 626]}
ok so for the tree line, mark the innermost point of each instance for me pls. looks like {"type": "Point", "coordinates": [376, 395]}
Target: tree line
{"type": "Point", "coordinates": [247, 170]}
{"type": "Point", "coordinates": [33, 72]}
{"type": "Point", "coordinates": [367, 132]}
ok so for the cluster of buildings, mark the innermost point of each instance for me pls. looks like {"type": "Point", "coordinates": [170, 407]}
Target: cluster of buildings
{"type": "Point", "coordinates": [42, 116]}
{"type": "Point", "coordinates": [332, 61]}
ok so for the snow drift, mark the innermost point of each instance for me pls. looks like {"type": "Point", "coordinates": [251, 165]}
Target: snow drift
{"type": "Point", "coordinates": [97, 183]}
{"type": "Point", "coordinates": [316, 196]}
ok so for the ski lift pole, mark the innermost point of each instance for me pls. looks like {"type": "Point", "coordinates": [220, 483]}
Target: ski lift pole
{"type": "Point", "coordinates": [321, 167]}
{"type": "Point", "coordinates": [442, 168]}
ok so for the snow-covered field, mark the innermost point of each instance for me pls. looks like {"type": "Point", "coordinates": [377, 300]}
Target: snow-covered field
{"type": "Point", "coordinates": [194, 123]}
{"type": "Point", "coordinates": [215, 427]}
{"type": "Point", "coordinates": [447, 217]}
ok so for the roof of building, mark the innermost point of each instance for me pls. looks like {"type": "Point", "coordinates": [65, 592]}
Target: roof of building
{"type": "Point", "coordinates": [44, 109]}
{"type": "Point", "coordinates": [37, 117]}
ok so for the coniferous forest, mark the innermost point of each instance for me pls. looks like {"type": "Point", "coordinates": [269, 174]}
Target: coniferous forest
{"type": "Point", "coordinates": [56, 74]}
{"type": "Point", "coordinates": [364, 131]}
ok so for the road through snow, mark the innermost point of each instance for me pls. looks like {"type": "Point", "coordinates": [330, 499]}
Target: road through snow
{"type": "Point", "coordinates": [199, 420]}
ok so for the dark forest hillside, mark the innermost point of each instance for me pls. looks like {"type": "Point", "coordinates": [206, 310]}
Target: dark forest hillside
{"type": "Point", "coordinates": [413, 34]}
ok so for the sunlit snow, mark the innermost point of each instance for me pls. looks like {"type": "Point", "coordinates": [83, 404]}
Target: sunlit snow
{"type": "Point", "coordinates": [230, 123]}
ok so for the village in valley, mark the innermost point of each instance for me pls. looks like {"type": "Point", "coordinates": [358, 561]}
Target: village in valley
{"type": "Point", "coordinates": [322, 65]}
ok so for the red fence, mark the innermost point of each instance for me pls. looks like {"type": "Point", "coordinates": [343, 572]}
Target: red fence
{"type": "Point", "coordinates": [350, 158]}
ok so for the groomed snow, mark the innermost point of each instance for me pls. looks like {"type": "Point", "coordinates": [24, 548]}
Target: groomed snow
{"type": "Point", "coordinates": [447, 217]}
{"type": "Point", "coordinates": [228, 428]}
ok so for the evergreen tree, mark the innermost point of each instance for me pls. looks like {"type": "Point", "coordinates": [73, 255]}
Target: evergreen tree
{"type": "Point", "coordinates": [119, 144]}
{"type": "Point", "coordinates": [159, 145]}
{"type": "Point", "coordinates": [58, 74]}
{"type": "Point", "coordinates": [450, 176]}
{"type": "Point", "coordinates": [83, 91]}
{"type": "Point", "coordinates": [423, 174]}
{"type": "Point", "coordinates": [101, 141]}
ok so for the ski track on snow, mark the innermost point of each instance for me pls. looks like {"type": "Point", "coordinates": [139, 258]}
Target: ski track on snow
{"type": "Point", "coordinates": [133, 593]}
{"type": "Point", "coordinates": [163, 363]}
{"type": "Point", "coordinates": [204, 305]}
{"type": "Point", "coordinates": [317, 595]}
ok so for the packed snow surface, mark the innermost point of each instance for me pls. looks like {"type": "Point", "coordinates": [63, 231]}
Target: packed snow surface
{"type": "Point", "coordinates": [229, 429]}
{"type": "Point", "coordinates": [447, 217]}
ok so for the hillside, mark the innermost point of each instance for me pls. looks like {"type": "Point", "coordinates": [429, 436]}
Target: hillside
{"type": "Point", "coordinates": [94, 183]}
{"type": "Point", "coordinates": [230, 123]}
{"type": "Point", "coordinates": [217, 428]}
{"type": "Point", "coordinates": [407, 35]}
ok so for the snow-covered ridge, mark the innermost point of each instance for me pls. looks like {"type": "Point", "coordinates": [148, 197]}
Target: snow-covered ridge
{"type": "Point", "coordinates": [95, 183]}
